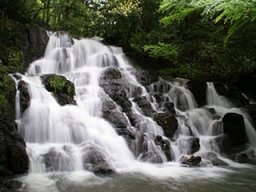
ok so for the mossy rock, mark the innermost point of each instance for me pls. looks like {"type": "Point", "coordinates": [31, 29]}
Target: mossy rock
{"type": "Point", "coordinates": [13, 156]}
{"type": "Point", "coordinates": [7, 96]}
{"type": "Point", "coordinates": [62, 89]}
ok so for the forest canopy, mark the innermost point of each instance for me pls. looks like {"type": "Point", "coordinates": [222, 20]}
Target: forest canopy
{"type": "Point", "coordinates": [189, 38]}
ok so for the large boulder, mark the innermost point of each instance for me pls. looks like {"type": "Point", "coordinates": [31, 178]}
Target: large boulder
{"type": "Point", "coordinates": [33, 43]}
{"type": "Point", "coordinates": [168, 122]}
{"type": "Point", "coordinates": [112, 114]}
{"type": "Point", "coordinates": [95, 161]}
{"type": "Point", "coordinates": [63, 89]}
{"type": "Point", "coordinates": [118, 88]}
{"type": "Point", "coordinates": [234, 128]}
{"type": "Point", "coordinates": [190, 160]}
{"type": "Point", "coordinates": [198, 89]}
{"type": "Point", "coordinates": [59, 159]}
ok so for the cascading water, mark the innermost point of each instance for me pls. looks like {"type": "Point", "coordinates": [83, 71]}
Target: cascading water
{"type": "Point", "coordinates": [76, 138]}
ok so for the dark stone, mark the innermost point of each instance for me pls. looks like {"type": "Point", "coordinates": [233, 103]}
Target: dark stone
{"type": "Point", "coordinates": [23, 87]}
{"type": "Point", "coordinates": [150, 157]}
{"type": "Point", "coordinates": [198, 89]}
{"type": "Point", "coordinates": [224, 144]}
{"type": "Point", "coordinates": [242, 158]}
{"type": "Point", "coordinates": [160, 86]}
{"type": "Point", "coordinates": [11, 186]}
{"type": "Point", "coordinates": [169, 107]}
{"type": "Point", "coordinates": [118, 88]}
{"type": "Point", "coordinates": [113, 115]}
{"type": "Point", "coordinates": [63, 89]}
{"type": "Point", "coordinates": [213, 158]}
{"type": "Point", "coordinates": [95, 161]}
{"type": "Point", "coordinates": [232, 92]}
{"type": "Point", "coordinates": [117, 119]}
{"type": "Point", "coordinates": [158, 97]}
{"type": "Point", "coordinates": [234, 128]}
{"type": "Point", "coordinates": [189, 145]}
{"type": "Point", "coordinates": [144, 105]}
{"type": "Point", "coordinates": [165, 146]}
{"type": "Point", "coordinates": [168, 122]}
{"type": "Point", "coordinates": [146, 77]}
{"type": "Point", "coordinates": [190, 160]}
{"type": "Point", "coordinates": [37, 41]}
{"type": "Point", "coordinates": [13, 156]}
{"type": "Point", "coordinates": [58, 161]}
{"type": "Point", "coordinates": [194, 144]}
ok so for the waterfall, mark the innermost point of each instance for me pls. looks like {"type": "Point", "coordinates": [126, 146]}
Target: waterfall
{"type": "Point", "coordinates": [77, 137]}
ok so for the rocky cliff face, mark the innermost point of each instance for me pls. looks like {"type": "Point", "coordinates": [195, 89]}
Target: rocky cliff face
{"type": "Point", "coordinates": [19, 46]}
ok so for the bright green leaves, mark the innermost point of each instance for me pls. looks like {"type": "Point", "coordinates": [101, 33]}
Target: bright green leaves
{"type": "Point", "coordinates": [235, 13]}
{"type": "Point", "coordinates": [162, 50]}
{"type": "Point", "coordinates": [177, 10]}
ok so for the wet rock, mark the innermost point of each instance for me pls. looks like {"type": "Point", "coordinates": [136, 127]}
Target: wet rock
{"type": "Point", "coordinates": [231, 92]}
{"type": "Point", "coordinates": [11, 186]}
{"type": "Point", "coordinates": [144, 105]}
{"type": "Point", "coordinates": [245, 156]}
{"type": "Point", "coordinates": [234, 128]}
{"type": "Point", "coordinates": [190, 160]}
{"type": "Point", "coordinates": [169, 107]}
{"type": "Point", "coordinates": [63, 89]}
{"type": "Point", "coordinates": [168, 122]}
{"type": "Point", "coordinates": [145, 77]}
{"type": "Point", "coordinates": [188, 145]}
{"type": "Point", "coordinates": [165, 146]}
{"type": "Point", "coordinates": [242, 158]}
{"type": "Point", "coordinates": [198, 89]}
{"type": "Point", "coordinates": [193, 145]}
{"type": "Point", "coordinates": [118, 88]}
{"type": "Point", "coordinates": [224, 144]}
{"type": "Point", "coordinates": [111, 113]}
{"type": "Point", "coordinates": [58, 160]}
{"type": "Point", "coordinates": [160, 86]}
{"type": "Point", "coordinates": [36, 40]}
{"type": "Point", "coordinates": [23, 87]}
{"type": "Point", "coordinates": [150, 157]}
{"type": "Point", "coordinates": [213, 159]}
{"type": "Point", "coordinates": [67, 40]}
{"type": "Point", "coordinates": [157, 96]}
{"type": "Point", "coordinates": [95, 161]}
{"type": "Point", "coordinates": [13, 158]}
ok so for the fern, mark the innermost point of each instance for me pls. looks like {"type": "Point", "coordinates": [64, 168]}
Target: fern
{"type": "Point", "coordinates": [234, 13]}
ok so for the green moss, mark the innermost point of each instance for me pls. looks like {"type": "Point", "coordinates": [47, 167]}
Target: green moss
{"type": "Point", "coordinates": [62, 89]}
{"type": "Point", "coordinates": [60, 84]}
{"type": "Point", "coordinates": [7, 92]}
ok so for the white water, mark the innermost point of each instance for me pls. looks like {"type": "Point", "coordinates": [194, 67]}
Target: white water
{"type": "Point", "coordinates": [70, 132]}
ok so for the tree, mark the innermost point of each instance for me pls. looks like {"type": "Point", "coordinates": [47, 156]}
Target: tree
{"type": "Point", "coordinates": [235, 13]}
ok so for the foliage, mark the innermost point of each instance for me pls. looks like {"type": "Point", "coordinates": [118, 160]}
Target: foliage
{"type": "Point", "coordinates": [237, 13]}
{"type": "Point", "coordinates": [59, 84]}
{"type": "Point", "coordinates": [187, 41]}
{"type": "Point", "coordinates": [162, 50]}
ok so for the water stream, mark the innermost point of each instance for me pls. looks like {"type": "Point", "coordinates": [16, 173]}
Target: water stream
{"type": "Point", "coordinates": [61, 139]}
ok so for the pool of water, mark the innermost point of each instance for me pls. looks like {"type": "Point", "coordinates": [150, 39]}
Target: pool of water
{"type": "Point", "coordinates": [174, 179]}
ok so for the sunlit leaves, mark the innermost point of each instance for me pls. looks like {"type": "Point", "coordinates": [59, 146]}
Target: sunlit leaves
{"type": "Point", "coordinates": [236, 13]}
{"type": "Point", "coordinates": [162, 50]}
